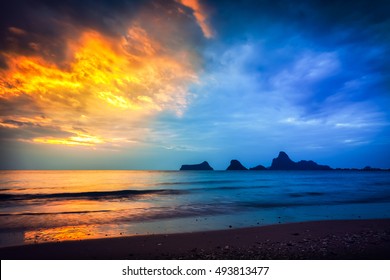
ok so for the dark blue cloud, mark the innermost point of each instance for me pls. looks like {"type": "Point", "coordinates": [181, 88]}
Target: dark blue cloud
{"type": "Point", "coordinates": [356, 33]}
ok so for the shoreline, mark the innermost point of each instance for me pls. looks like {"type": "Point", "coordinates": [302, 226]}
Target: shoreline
{"type": "Point", "coordinates": [330, 239]}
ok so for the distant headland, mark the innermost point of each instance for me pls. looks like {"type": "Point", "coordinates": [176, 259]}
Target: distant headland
{"type": "Point", "coordinates": [282, 162]}
{"type": "Point", "coordinates": [201, 166]}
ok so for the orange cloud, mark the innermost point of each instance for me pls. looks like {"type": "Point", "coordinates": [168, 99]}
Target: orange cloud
{"type": "Point", "coordinates": [106, 87]}
{"type": "Point", "coordinates": [79, 140]}
{"type": "Point", "coordinates": [16, 31]}
{"type": "Point", "coordinates": [199, 15]}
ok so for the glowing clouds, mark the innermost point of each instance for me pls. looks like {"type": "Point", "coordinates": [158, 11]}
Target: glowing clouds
{"type": "Point", "coordinates": [112, 83]}
{"type": "Point", "coordinates": [79, 140]}
{"type": "Point", "coordinates": [137, 43]}
{"type": "Point", "coordinates": [33, 76]}
{"type": "Point", "coordinates": [199, 15]}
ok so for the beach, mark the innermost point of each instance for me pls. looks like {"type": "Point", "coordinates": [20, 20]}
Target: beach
{"type": "Point", "coordinates": [333, 239]}
{"type": "Point", "coordinates": [194, 215]}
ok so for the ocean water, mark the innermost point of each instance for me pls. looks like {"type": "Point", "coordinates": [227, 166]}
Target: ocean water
{"type": "Point", "coordinates": [44, 206]}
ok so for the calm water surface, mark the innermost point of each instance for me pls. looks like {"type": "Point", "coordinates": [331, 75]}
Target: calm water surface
{"type": "Point", "coordinates": [43, 206]}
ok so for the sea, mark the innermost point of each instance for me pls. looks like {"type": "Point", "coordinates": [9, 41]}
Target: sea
{"type": "Point", "coordinates": [51, 206]}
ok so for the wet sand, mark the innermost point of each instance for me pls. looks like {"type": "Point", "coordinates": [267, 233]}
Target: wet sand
{"type": "Point", "coordinates": [351, 239]}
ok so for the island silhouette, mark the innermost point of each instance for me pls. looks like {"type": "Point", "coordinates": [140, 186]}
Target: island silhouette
{"type": "Point", "coordinates": [236, 165]}
{"type": "Point", "coordinates": [281, 162]}
{"type": "Point", "coordinates": [201, 166]}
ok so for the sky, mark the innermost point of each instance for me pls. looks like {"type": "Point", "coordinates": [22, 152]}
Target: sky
{"type": "Point", "coordinates": [158, 83]}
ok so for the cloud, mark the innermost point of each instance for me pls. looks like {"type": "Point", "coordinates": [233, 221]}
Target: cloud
{"type": "Point", "coordinates": [200, 16]}
{"type": "Point", "coordinates": [17, 31]}
{"type": "Point", "coordinates": [276, 75]}
{"type": "Point", "coordinates": [267, 107]}
{"type": "Point", "coordinates": [100, 92]}
{"type": "Point", "coordinates": [310, 67]}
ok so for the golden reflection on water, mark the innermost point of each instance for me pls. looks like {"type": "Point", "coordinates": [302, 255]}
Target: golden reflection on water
{"type": "Point", "coordinates": [74, 181]}
{"type": "Point", "coordinates": [68, 233]}
{"type": "Point", "coordinates": [97, 206]}
{"type": "Point", "coordinates": [84, 226]}
{"type": "Point", "coordinates": [94, 206]}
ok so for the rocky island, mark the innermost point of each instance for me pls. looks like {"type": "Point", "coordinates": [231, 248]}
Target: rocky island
{"type": "Point", "coordinates": [283, 162]}
{"type": "Point", "coordinates": [201, 166]}
{"type": "Point", "coordinates": [259, 167]}
{"type": "Point", "coordinates": [236, 165]}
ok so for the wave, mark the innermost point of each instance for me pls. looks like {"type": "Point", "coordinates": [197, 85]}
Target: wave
{"type": "Point", "coordinates": [200, 182]}
{"type": "Point", "coordinates": [91, 195]}
{"type": "Point", "coordinates": [303, 194]}
{"type": "Point", "coordinates": [293, 203]}
{"type": "Point", "coordinates": [228, 188]}
{"type": "Point", "coordinates": [119, 193]}
{"type": "Point", "coordinates": [53, 213]}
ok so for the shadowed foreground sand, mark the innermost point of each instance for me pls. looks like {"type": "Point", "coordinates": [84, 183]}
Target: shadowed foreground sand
{"type": "Point", "coordinates": [352, 239]}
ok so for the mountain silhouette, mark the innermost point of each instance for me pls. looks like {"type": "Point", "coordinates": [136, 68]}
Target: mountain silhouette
{"type": "Point", "coordinates": [283, 162]}
{"type": "Point", "coordinates": [259, 167]}
{"type": "Point", "coordinates": [236, 165]}
{"type": "Point", "coordinates": [201, 166]}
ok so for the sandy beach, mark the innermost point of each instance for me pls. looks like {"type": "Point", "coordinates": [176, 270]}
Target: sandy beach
{"type": "Point", "coordinates": [337, 239]}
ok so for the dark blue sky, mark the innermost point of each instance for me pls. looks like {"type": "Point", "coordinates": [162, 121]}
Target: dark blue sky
{"type": "Point", "coordinates": [213, 80]}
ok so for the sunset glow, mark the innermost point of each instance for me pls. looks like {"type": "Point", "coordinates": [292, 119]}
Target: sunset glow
{"type": "Point", "coordinates": [100, 77]}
